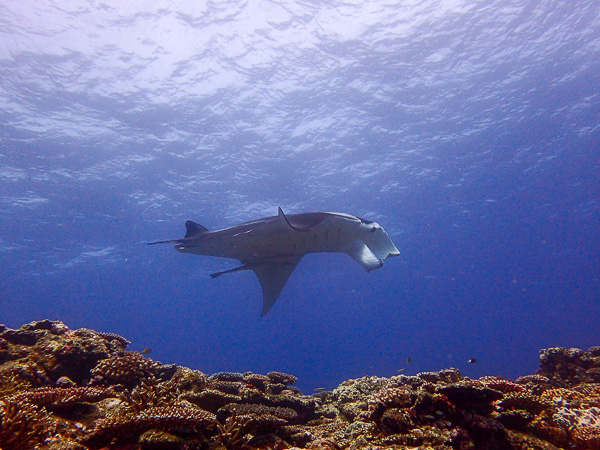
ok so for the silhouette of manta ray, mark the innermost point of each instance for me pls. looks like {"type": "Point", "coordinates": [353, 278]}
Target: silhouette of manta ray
{"type": "Point", "coordinates": [273, 246]}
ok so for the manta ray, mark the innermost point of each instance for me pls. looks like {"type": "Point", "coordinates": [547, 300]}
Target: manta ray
{"type": "Point", "coordinates": [272, 247]}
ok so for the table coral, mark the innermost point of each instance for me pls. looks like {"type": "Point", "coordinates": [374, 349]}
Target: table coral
{"type": "Point", "coordinates": [82, 390]}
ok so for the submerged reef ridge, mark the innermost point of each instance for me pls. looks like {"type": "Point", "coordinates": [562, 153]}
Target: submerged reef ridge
{"type": "Point", "coordinates": [64, 389]}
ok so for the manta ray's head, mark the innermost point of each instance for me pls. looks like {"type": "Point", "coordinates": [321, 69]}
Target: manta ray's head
{"type": "Point", "coordinates": [376, 238]}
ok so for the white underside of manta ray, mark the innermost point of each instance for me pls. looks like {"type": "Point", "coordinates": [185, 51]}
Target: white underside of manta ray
{"type": "Point", "coordinates": [273, 246]}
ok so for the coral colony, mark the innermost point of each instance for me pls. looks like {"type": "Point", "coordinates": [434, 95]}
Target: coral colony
{"type": "Point", "coordinates": [81, 389]}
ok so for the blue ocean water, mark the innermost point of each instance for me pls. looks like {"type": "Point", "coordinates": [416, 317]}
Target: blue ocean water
{"type": "Point", "coordinates": [469, 130]}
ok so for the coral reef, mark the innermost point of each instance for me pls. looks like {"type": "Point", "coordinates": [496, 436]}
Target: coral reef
{"type": "Point", "coordinates": [82, 390]}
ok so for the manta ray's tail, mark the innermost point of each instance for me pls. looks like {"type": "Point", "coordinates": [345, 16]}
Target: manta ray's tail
{"type": "Point", "coordinates": [172, 241]}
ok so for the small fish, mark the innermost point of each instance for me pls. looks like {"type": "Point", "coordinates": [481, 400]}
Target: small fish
{"type": "Point", "coordinates": [401, 371]}
{"type": "Point", "coordinates": [408, 360]}
{"type": "Point", "coordinates": [146, 351]}
{"type": "Point", "coordinates": [472, 361]}
{"type": "Point", "coordinates": [319, 389]}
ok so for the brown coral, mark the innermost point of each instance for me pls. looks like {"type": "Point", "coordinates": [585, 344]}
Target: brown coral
{"type": "Point", "coordinates": [469, 392]}
{"type": "Point", "coordinates": [22, 426]}
{"type": "Point", "coordinates": [148, 394]}
{"type": "Point", "coordinates": [48, 396]}
{"type": "Point", "coordinates": [502, 385]}
{"type": "Point", "coordinates": [282, 378]}
{"type": "Point", "coordinates": [524, 400]}
{"type": "Point", "coordinates": [128, 369]}
{"type": "Point", "coordinates": [177, 417]}
{"type": "Point", "coordinates": [587, 437]}
{"type": "Point", "coordinates": [136, 402]}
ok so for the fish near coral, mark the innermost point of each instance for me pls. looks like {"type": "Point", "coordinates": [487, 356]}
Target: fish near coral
{"type": "Point", "coordinates": [272, 247]}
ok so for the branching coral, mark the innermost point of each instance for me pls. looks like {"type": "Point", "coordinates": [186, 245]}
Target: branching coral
{"type": "Point", "coordinates": [587, 437]}
{"type": "Point", "coordinates": [282, 378]}
{"type": "Point", "coordinates": [227, 387]}
{"type": "Point", "coordinates": [49, 397]}
{"type": "Point", "coordinates": [526, 401]}
{"type": "Point", "coordinates": [231, 433]}
{"type": "Point", "coordinates": [469, 392]}
{"type": "Point", "coordinates": [129, 426]}
{"type": "Point", "coordinates": [12, 384]}
{"type": "Point", "coordinates": [502, 385]}
{"type": "Point", "coordinates": [211, 400]}
{"type": "Point", "coordinates": [148, 394]}
{"type": "Point", "coordinates": [535, 379]}
{"type": "Point", "coordinates": [257, 380]}
{"type": "Point", "coordinates": [128, 369]}
{"type": "Point", "coordinates": [95, 392]}
{"type": "Point", "coordinates": [22, 426]}
{"type": "Point", "coordinates": [226, 376]}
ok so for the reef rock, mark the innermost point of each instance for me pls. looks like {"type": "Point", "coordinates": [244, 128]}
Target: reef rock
{"type": "Point", "coordinates": [82, 390]}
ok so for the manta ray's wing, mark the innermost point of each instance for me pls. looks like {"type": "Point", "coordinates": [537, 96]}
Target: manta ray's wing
{"type": "Point", "coordinates": [272, 276]}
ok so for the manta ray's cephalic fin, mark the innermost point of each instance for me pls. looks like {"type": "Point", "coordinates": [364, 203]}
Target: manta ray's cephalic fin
{"type": "Point", "coordinates": [363, 255]}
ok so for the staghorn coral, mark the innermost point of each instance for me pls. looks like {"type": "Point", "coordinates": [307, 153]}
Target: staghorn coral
{"type": "Point", "coordinates": [231, 432]}
{"type": "Point", "coordinates": [22, 426]}
{"type": "Point", "coordinates": [11, 384]}
{"type": "Point", "coordinates": [148, 394]}
{"type": "Point", "coordinates": [49, 397]}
